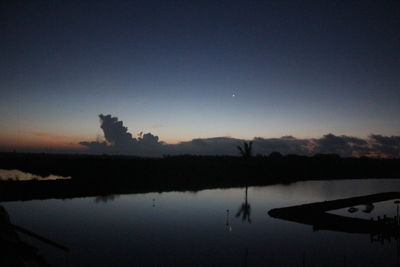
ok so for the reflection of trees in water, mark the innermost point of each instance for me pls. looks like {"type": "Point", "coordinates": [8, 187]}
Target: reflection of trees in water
{"type": "Point", "coordinates": [244, 209]}
{"type": "Point", "coordinates": [105, 198]}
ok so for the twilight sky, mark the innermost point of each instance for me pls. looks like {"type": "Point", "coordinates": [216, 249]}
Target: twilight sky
{"type": "Point", "coordinates": [300, 68]}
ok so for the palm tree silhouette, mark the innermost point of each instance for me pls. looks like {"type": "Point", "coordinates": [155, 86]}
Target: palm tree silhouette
{"type": "Point", "coordinates": [246, 151]}
{"type": "Point", "coordinates": [244, 209]}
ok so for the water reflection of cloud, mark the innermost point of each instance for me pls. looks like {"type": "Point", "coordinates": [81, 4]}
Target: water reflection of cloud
{"type": "Point", "coordinates": [18, 175]}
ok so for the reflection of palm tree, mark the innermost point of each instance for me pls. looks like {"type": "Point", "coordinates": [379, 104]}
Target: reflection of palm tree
{"type": "Point", "coordinates": [228, 224]}
{"type": "Point", "coordinates": [105, 198]}
{"type": "Point", "coordinates": [244, 209]}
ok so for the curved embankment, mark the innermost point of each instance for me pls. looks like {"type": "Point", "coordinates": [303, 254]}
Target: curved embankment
{"type": "Point", "coordinates": [315, 214]}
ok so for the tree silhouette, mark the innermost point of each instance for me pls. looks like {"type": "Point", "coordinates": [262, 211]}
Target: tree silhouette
{"type": "Point", "coordinates": [246, 151]}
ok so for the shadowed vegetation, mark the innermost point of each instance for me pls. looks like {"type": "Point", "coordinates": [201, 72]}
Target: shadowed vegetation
{"type": "Point", "coordinates": [105, 175]}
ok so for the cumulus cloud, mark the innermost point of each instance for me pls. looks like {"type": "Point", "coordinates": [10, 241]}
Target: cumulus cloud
{"type": "Point", "coordinates": [385, 145]}
{"type": "Point", "coordinates": [342, 145]}
{"type": "Point", "coordinates": [283, 145]}
{"type": "Point", "coordinates": [119, 140]}
{"type": "Point", "coordinates": [115, 133]}
{"type": "Point", "coordinates": [96, 147]}
{"type": "Point", "coordinates": [206, 146]}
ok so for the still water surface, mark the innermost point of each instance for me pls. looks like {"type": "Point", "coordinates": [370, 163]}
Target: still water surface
{"type": "Point", "coordinates": [196, 229]}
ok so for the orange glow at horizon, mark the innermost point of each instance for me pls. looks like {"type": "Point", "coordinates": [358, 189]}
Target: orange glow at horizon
{"type": "Point", "coordinates": [44, 140]}
{"type": "Point", "coordinates": [37, 140]}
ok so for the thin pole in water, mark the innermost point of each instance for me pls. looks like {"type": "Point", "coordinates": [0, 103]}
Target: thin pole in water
{"type": "Point", "coordinates": [397, 202]}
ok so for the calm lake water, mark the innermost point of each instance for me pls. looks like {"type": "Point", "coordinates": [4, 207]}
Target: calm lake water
{"type": "Point", "coordinates": [195, 229]}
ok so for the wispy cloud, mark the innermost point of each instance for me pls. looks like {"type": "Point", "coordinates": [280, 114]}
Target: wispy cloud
{"type": "Point", "coordinates": [44, 135]}
{"type": "Point", "coordinates": [157, 126]}
{"type": "Point", "coordinates": [41, 140]}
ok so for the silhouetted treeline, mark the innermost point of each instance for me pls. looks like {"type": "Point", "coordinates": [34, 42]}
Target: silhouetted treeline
{"type": "Point", "coordinates": [110, 174]}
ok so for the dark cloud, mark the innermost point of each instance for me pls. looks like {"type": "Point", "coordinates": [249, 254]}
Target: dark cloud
{"type": "Point", "coordinates": [119, 140]}
{"type": "Point", "coordinates": [385, 145]}
{"type": "Point", "coordinates": [115, 133]}
{"type": "Point", "coordinates": [284, 145]}
{"type": "Point", "coordinates": [207, 146]}
{"type": "Point", "coordinates": [342, 145]}
{"type": "Point", "coordinates": [148, 139]}
{"type": "Point", "coordinates": [96, 147]}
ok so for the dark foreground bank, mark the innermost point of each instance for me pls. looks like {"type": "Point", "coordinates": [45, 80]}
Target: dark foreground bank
{"type": "Point", "coordinates": [103, 175]}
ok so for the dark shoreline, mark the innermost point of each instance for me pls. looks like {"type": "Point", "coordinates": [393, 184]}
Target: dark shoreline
{"type": "Point", "coordinates": [106, 175]}
{"type": "Point", "coordinates": [316, 214]}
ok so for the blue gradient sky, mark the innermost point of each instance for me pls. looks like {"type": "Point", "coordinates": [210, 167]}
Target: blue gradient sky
{"type": "Point", "coordinates": [301, 68]}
